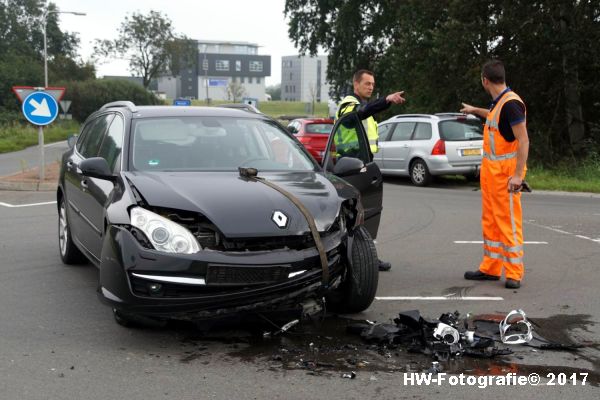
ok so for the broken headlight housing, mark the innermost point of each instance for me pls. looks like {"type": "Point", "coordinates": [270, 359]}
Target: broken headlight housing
{"type": "Point", "coordinates": [164, 234]}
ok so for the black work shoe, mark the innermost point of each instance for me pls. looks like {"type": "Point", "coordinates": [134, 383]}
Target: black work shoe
{"type": "Point", "coordinates": [512, 284]}
{"type": "Point", "coordinates": [384, 265]}
{"type": "Point", "coordinates": [480, 276]}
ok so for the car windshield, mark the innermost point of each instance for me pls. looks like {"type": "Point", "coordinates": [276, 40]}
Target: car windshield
{"type": "Point", "coordinates": [319, 128]}
{"type": "Point", "coordinates": [214, 144]}
{"type": "Point", "coordinates": [457, 130]}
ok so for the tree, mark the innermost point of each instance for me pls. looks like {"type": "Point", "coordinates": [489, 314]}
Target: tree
{"type": "Point", "coordinates": [22, 45]}
{"type": "Point", "coordinates": [235, 91]}
{"type": "Point", "coordinates": [274, 91]}
{"type": "Point", "coordinates": [434, 51]}
{"type": "Point", "coordinates": [150, 45]}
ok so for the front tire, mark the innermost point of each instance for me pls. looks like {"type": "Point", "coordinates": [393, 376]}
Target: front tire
{"type": "Point", "coordinates": [419, 173]}
{"type": "Point", "coordinates": [357, 291]}
{"type": "Point", "coordinates": [69, 253]}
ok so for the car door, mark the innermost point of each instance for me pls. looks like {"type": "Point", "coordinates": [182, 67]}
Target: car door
{"type": "Point", "coordinates": [99, 190]}
{"type": "Point", "coordinates": [80, 187]}
{"type": "Point", "coordinates": [384, 130]}
{"type": "Point", "coordinates": [348, 139]}
{"type": "Point", "coordinates": [398, 147]}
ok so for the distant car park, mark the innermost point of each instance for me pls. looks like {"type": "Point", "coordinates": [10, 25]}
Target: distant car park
{"type": "Point", "coordinates": [425, 145]}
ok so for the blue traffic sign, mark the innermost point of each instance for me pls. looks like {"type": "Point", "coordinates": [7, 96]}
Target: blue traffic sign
{"type": "Point", "coordinates": [182, 102]}
{"type": "Point", "coordinates": [40, 108]}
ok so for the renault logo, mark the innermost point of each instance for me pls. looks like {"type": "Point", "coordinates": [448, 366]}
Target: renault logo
{"type": "Point", "coordinates": [280, 219]}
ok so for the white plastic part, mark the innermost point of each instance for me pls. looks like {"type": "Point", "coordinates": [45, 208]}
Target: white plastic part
{"type": "Point", "coordinates": [446, 333]}
{"type": "Point", "coordinates": [515, 329]}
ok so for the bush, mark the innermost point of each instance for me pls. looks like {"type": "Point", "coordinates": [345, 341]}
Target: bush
{"type": "Point", "coordinates": [89, 96]}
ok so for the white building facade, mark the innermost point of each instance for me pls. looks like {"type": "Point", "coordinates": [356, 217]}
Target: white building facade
{"type": "Point", "coordinates": [304, 78]}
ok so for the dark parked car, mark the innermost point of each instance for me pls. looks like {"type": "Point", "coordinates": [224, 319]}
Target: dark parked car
{"type": "Point", "coordinates": [313, 133]}
{"type": "Point", "coordinates": [195, 213]}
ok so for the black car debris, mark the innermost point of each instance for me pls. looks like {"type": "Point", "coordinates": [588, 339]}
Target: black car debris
{"type": "Point", "coordinates": [195, 213]}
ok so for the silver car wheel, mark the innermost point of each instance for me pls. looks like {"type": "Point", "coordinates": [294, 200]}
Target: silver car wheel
{"type": "Point", "coordinates": [419, 173]}
{"type": "Point", "coordinates": [63, 231]}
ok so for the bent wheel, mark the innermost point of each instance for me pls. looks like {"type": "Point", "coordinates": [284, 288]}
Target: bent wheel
{"type": "Point", "coordinates": [357, 290]}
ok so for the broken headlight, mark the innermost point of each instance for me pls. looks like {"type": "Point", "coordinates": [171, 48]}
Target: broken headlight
{"type": "Point", "coordinates": [164, 234]}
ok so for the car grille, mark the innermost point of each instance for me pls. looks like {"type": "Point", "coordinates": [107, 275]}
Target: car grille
{"type": "Point", "coordinates": [235, 275]}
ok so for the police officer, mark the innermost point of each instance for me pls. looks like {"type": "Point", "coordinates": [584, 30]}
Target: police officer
{"type": "Point", "coordinates": [363, 83]}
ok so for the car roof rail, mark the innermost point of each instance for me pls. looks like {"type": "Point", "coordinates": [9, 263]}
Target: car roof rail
{"type": "Point", "coordinates": [241, 106]}
{"type": "Point", "coordinates": [127, 104]}
{"type": "Point", "coordinates": [413, 115]}
{"type": "Point", "coordinates": [451, 114]}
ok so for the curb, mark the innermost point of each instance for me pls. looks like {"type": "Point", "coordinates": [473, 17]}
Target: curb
{"type": "Point", "coordinates": [29, 186]}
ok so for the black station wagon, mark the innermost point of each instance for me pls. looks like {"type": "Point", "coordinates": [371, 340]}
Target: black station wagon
{"type": "Point", "coordinates": [197, 213]}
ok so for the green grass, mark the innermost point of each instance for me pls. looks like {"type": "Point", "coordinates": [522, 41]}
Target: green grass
{"type": "Point", "coordinates": [277, 109]}
{"type": "Point", "coordinates": [17, 137]}
{"type": "Point", "coordinates": [584, 177]}
{"type": "Point", "coordinates": [567, 177]}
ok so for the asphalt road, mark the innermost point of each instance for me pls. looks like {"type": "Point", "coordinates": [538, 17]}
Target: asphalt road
{"type": "Point", "coordinates": [11, 163]}
{"type": "Point", "coordinates": [57, 341]}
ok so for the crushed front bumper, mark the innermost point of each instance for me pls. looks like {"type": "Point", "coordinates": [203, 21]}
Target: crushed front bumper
{"type": "Point", "coordinates": [211, 283]}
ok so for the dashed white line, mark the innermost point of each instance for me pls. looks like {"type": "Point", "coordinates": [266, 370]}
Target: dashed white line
{"type": "Point", "coordinates": [442, 298]}
{"type": "Point", "coordinates": [481, 242]}
{"type": "Point", "coordinates": [26, 205]}
{"type": "Point", "coordinates": [563, 232]}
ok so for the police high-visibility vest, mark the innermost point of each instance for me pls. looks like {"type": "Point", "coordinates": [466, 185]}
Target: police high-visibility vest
{"type": "Point", "coordinates": [347, 105]}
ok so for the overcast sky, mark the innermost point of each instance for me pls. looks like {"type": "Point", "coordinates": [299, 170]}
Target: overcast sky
{"type": "Point", "coordinates": [261, 22]}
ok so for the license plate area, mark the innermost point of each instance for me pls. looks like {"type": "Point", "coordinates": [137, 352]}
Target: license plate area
{"type": "Point", "coordinates": [471, 152]}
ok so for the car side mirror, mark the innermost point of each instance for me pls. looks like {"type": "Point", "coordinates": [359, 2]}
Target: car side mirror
{"type": "Point", "coordinates": [72, 139]}
{"type": "Point", "coordinates": [96, 167]}
{"type": "Point", "coordinates": [348, 166]}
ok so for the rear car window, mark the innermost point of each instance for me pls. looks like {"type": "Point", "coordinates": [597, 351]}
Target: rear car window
{"type": "Point", "coordinates": [423, 131]}
{"type": "Point", "coordinates": [319, 128]}
{"type": "Point", "coordinates": [457, 130]}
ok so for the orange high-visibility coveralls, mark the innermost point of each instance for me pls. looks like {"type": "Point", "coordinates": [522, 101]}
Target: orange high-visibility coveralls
{"type": "Point", "coordinates": [502, 219]}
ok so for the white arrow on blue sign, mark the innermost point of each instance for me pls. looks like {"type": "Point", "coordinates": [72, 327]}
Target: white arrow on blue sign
{"type": "Point", "coordinates": [40, 108]}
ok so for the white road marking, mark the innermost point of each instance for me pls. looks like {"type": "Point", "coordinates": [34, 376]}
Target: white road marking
{"type": "Point", "coordinates": [443, 298]}
{"type": "Point", "coordinates": [26, 205]}
{"type": "Point", "coordinates": [481, 242]}
{"type": "Point", "coordinates": [55, 144]}
{"type": "Point", "coordinates": [563, 232]}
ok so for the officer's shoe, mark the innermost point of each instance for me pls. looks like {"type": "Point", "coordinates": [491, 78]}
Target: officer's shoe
{"type": "Point", "coordinates": [512, 284]}
{"type": "Point", "coordinates": [480, 276]}
{"type": "Point", "coordinates": [384, 265]}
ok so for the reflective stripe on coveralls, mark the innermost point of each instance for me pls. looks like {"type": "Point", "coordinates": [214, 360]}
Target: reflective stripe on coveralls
{"type": "Point", "coordinates": [347, 105]}
{"type": "Point", "coordinates": [501, 209]}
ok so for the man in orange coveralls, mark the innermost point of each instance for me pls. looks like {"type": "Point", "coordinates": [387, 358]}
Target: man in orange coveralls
{"type": "Point", "coordinates": [505, 150]}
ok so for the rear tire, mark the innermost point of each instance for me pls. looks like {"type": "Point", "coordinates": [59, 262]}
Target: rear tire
{"type": "Point", "coordinates": [69, 253]}
{"type": "Point", "coordinates": [357, 290]}
{"type": "Point", "coordinates": [419, 173]}
{"type": "Point", "coordinates": [136, 321]}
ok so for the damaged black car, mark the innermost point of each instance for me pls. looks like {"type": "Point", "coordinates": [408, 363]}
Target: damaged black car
{"type": "Point", "coordinates": [195, 213]}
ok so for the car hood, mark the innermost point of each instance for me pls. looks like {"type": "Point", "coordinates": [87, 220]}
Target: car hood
{"type": "Point", "coordinates": [242, 208]}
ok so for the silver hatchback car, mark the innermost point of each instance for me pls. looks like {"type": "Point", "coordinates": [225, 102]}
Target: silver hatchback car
{"type": "Point", "coordinates": [423, 145]}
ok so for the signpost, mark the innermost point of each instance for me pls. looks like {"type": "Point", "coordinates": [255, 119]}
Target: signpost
{"type": "Point", "coordinates": [40, 107]}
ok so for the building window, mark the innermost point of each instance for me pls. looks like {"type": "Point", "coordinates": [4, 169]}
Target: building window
{"type": "Point", "coordinates": [241, 79]}
{"type": "Point", "coordinates": [249, 79]}
{"type": "Point", "coordinates": [256, 66]}
{"type": "Point", "coordinates": [238, 65]}
{"type": "Point", "coordinates": [291, 76]}
{"type": "Point", "coordinates": [222, 65]}
{"type": "Point", "coordinates": [205, 65]}
{"type": "Point", "coordinates": [258, 79]}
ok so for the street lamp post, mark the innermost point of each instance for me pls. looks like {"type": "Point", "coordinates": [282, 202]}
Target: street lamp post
{"type": "Point", "coordinates": [40, 128]}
